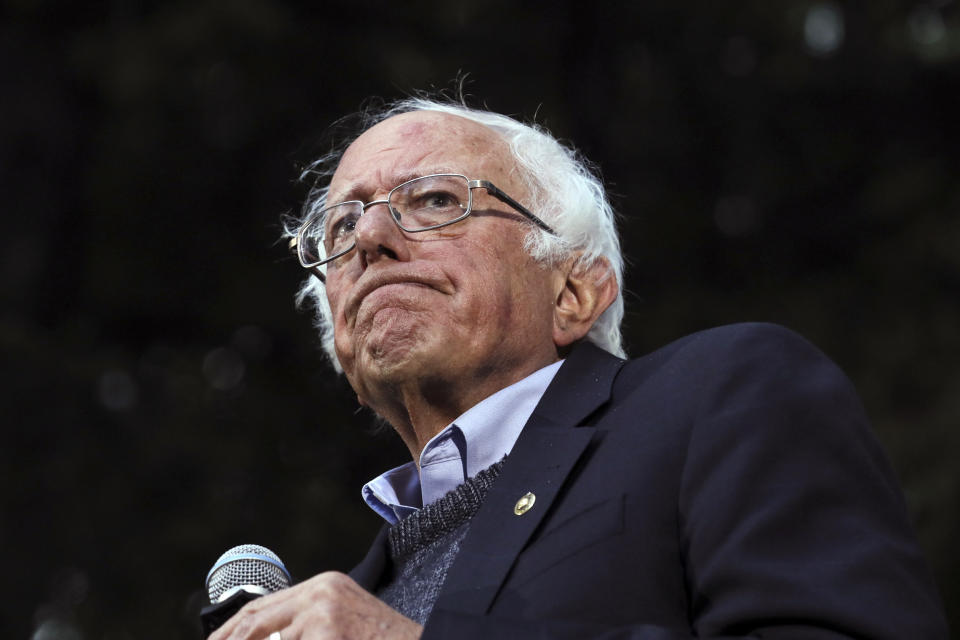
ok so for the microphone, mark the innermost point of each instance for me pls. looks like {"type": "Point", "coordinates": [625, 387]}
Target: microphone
{"type": "Point", "coordinates": [241, 574]}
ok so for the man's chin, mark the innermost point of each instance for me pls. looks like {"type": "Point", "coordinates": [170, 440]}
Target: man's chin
{"type": "Point", "coordinates": [391, 354]}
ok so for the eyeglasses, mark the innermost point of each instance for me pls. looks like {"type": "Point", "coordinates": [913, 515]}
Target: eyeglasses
{"type": "Point", "coordinates": [421, 204]}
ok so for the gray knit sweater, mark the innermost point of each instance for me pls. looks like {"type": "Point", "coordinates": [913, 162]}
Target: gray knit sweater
{"type": "Point", "coordinates": [424, 544]}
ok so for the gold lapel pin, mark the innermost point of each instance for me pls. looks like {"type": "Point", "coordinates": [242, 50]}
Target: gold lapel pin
{"type": "Point", "coordinates": [524, 504]}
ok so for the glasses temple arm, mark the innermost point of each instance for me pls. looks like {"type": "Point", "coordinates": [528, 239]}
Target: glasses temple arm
{"type": "Point", "coordinates": [493, 190]}
{"type": "Point", "coordinates": [292, 246]}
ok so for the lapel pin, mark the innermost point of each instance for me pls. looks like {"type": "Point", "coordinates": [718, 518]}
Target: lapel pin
{"type": "Point", "coordinates": [524, 504]}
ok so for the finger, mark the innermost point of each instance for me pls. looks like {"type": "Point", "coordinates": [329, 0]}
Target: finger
{"type": "Point", "coordinates": [259, 618]}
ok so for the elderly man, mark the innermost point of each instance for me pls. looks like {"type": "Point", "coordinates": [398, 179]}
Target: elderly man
{"type": "Point", "coordinates": [468, 278]}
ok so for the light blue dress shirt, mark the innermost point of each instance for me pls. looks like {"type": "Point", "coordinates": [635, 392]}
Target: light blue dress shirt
{"type": "Point", "coordinates": [478, 438]}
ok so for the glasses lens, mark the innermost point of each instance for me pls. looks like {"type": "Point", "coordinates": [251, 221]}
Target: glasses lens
{"type": "Point", "coordinates": [422, 203]}
{"type": "Point", "coordinates": [430, 201]}
{"type": "Point", "coordinates": [334, 227]}
{"type": "Point", "coordinates": [309, 242]}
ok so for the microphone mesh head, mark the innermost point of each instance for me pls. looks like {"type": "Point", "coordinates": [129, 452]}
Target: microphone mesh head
{"type": "Point", "coordinates": [247, 565]}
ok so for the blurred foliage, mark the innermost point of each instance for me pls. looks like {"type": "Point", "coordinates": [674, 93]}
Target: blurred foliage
{"type": "Point", "coordinates": [162, 400]}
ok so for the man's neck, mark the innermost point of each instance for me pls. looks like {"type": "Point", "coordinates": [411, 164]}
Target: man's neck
{"type": "Point", "coordinates": [421, 410]}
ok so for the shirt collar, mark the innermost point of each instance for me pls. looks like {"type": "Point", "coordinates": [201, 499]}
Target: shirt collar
{"type": "Point", "coordinates": [478, 438]}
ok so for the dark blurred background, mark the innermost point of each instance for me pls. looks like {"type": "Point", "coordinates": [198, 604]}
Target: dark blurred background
{"type": "Point", "coordinates": [162, 400]}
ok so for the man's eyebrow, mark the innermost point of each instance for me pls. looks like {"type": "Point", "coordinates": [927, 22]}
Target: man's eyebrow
{"type": "Point", "coordinates": [358, 190]}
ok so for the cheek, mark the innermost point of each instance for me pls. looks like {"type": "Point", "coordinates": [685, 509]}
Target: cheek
{"type": "Point", "coordinates": [510, 296]}
{"type": "Point", "coordinates": [338, 289]}
{"type": "Point", "coordinates": [483, 294]}
{"type": "Point", "coordinates": [342, 334]}
{"type": "Point", "coordinates": [342, 345]}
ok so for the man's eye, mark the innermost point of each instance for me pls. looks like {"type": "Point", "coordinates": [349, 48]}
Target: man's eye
{"type": "Point", "coordinates": [439, 200]}
{"type": "Point", "coordinates": [342, 226]}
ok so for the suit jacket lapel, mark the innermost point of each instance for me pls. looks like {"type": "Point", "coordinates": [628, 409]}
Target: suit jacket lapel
{"type": "Point", "coordinates": [545, 453]}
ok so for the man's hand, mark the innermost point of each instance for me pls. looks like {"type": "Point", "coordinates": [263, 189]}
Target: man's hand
{"type": "Point", "coordinates": [326, 607]}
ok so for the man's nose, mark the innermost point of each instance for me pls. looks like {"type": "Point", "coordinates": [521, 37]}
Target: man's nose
{"type": "Point", "coordinates": [378, 237]}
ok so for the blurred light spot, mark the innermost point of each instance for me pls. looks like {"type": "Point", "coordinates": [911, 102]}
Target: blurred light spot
{"type": "Point", "coordinates": [253, 342]}
{"type": "Point", "coordinates": [926, 26]}
{"type": "Point", "coordinates": [56, 630]}
{"type": "Point", "coordinates": [736, 216]}
{"type": "Point", "coordinates": [739, 57]}
{"type": "Point", "coordinates": [223, 368]}
{"type": "Point", "coordinates": [117, 390]}
{"type": "Point", "coordinates": [69, 587]}
{"type": "Point", "coordinates": [823, 28]}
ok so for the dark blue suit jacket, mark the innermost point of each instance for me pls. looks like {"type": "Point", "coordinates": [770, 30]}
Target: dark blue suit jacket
{"type": "Point", "coordinates": [727, 485]}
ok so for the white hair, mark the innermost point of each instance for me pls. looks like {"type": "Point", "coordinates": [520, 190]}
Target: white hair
{"type": "Point", "coordinates": [564, 192]}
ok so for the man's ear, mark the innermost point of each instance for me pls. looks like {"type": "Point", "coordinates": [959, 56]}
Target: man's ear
{"type": "Point", "coordinates": [585, 292]}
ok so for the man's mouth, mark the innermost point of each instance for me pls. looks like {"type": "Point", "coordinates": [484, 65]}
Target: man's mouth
{"type": "Point", "coordinates": [385, 285]}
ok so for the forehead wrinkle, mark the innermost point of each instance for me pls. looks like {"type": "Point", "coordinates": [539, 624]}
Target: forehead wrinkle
{"type": "Point", "coordinates": [360, 189]}
{"type": "Point", "coordinates": [404, 146]}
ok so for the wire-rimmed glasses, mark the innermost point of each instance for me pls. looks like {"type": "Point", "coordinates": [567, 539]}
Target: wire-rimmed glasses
{"type": "Point", "coordinates": [421, 204]}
